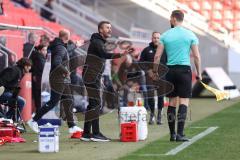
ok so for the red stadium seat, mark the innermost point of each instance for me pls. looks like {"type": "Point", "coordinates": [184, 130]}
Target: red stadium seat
{"type": "Point", "coordinates": [228, 24]}
{"type": "Point", "coordinates": [217, 5]}
{"type": "Point", "coordinates": [224, 13]}
{"type": "Point", "coordinates": [206, 5]}
{"type": "Point", "coordinates": [20, 16]}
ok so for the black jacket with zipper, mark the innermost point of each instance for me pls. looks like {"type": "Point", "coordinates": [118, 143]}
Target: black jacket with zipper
{"type": "Point", "coordinates": [59, 62]}
{"type": "Point", "coordinates": [149, 52]}
{"type": "Point", "coordinates": [95, 60]}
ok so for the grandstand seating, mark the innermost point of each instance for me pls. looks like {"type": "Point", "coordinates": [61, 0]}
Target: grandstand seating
{"type": "Point", "coordinates": [26, 17]}
{"type": "Point", "coordinates": [225, 13]}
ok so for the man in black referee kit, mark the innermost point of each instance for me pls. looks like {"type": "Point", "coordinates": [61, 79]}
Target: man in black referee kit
{"type": "Point", "coordinates": [147, 55]}
{"type": "Point", "coordinates": [178, 43]}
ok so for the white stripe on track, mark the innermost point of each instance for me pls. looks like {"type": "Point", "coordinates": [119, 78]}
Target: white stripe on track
{"type": "Point", "coordinates": [191, 141]}
{"type": "Point", "coordinates": [183, 145]}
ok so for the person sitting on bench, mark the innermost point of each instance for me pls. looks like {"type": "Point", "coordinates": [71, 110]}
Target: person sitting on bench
{"type": "Point", "coordinates": [9, 81]}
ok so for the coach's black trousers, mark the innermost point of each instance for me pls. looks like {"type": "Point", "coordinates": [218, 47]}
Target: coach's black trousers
{"type": "Point", "coordinates": [93, 109]}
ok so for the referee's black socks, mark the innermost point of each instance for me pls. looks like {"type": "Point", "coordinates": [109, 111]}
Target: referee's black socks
{"type": "Point", "coordinates": [182, 115]}
{"type": "Point", "coordinates": [171, 115]}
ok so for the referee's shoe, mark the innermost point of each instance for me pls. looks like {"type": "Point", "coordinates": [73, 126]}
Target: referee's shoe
{"type": "Point", "coordinates": [181, 138]}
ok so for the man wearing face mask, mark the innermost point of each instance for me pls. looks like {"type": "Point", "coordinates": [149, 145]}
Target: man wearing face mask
{"type": "Point", "coordinates": [9, 80]}
{"type": "Point", "coordinates": [92, 73]}
{"type": "Point", "coordinates": [59, 81]}
{"type": "Point", "coordinates": [178, 43]}
{"type": "Point", "coordinates": [147, 55]}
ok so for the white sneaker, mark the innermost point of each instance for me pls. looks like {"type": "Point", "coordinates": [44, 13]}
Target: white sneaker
{"type": "Point", "coordinates": [75, 129]}
{"type": "Point", "coordinates": [33, 125]}
{"type": "Point", "coordinates": [2, 89]}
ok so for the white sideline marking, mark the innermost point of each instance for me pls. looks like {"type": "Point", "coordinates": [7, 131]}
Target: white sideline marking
{"type": "Point", "coordinates": [191, 141]}
{"type": "Point", "coordinates": [148, 155]}
{"type": "Point", "coordinates": [198, 127]}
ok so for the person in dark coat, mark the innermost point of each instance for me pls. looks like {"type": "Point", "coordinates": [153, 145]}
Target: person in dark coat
{"type": "Point", "coordinates": [38, 59]}
{"type": "Point", "coordinates": [92, 73]}
{"type": "Point", "coordinates": [147, 55]}
{"type": "Point", "coordinates": [29, 46]}
{"type": "Point", "coordinates": [9, 80]}
{"type": "Point", "coordinates": [59, 82]}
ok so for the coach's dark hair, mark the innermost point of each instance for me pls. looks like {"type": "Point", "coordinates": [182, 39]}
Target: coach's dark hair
{"type": "Point", "coordinates": [178, 14]}
{"type": "Point", "coordinates": [100, 24]}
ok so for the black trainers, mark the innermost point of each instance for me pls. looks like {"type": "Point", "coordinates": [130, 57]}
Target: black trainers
{"type": "Point", "coordinates": [151, 119]}
{"type": "Point", "coordinates": [99, 138]}
{"type": "Point", "coordinates": [181, 138]}
{"type": "Point", "coordinates": [173, 137]}
{"type": "Point", "coordinates": [86, 137]}
{"type": "Point", "coordinates": [159, 121]}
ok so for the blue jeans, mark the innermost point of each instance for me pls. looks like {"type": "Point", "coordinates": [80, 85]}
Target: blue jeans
{"type": "Point", "coordinates": [6, 97]}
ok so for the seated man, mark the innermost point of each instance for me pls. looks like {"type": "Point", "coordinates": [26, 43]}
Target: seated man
{"type": "Point", "coordinates": [9, 80]}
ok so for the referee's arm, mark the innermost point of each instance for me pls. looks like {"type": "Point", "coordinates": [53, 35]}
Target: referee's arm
{"type": "Point", "coordinates": [197, 60]}
{"type": "Point", "coordinates": [157, 57]}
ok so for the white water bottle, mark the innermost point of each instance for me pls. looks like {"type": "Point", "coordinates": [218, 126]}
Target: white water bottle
{"type": "Point", "coordinates": [142, 123]}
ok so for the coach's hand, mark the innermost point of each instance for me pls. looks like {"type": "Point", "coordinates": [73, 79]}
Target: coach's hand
{"type": "Point", "coordinates": [153, 75]}
{"type": "Point", "coordinates": [199, 77]}
{"type": "Point", "coordinates": [128, 51]}
{"type": "Point", "coordinates": [67, 75]}
{"type": "Point", "coordinates": [79, 43]}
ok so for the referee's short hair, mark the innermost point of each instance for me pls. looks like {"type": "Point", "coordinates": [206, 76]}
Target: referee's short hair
{"type": "Point", "coordinates": [178, 14]}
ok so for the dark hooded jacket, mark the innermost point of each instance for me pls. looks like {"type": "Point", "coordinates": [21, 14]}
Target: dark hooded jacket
{"type": "Point", "coordinates": [96, 57]}
{"type": "Point", "coordinates": [59, 61]}
{"type": "Point", "coordinates": [149, 52]}
{"type": "Point", "coordinates": [10, 78]}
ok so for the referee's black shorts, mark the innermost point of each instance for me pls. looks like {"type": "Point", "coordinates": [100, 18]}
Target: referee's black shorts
{"type": "Point", "coordinates": [181, 77]}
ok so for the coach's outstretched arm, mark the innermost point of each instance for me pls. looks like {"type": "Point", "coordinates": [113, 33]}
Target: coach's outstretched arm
{"type": "Point", "coordinates": [197, 60]}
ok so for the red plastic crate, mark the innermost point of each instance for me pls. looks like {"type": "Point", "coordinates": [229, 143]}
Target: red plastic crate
{"type": "Point", "coordinates": [6, 131]}
{"type": "Point", "coordinates": [129, 132]}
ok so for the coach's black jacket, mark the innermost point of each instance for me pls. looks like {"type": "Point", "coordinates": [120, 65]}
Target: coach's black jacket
{"type": "Point", "coordinates": [95, 60]}
{"type": "Point", "coordinates": [10, 78]}
{"type": "Point", "coordinates": [59, 61]}
{"type": "Point", "coordinates": [149, 52]}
